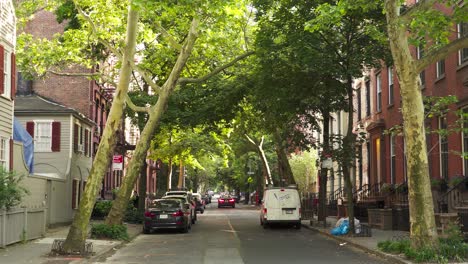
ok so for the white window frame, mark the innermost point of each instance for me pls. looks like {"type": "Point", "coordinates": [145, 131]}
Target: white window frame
{"type": "Point", "coordinates": [439, 74]}
{"type": "Point", "coordinates": [440, 149]}
{"type": "Point", "coordinates": [40, 146]}
{"type": "Point", "coordinates": [379, 91]}
{"type": "Point", "coordinates": [7, 74]}
{"type": "Point", "coordinates": [4, 152]}
{"type": "Point", "coordinates": [422, 75]}
{"type": "Point", "coordinates": [462, 60]}
{"type": "Point", "coordinates": [391, 91]}
{"type": "Point", "coordinates": [89, 141]}
{"type": "Point", "coordinates": [392, 159]}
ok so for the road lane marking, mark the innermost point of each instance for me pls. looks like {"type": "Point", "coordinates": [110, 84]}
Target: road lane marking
{"type": "Point", "coordinates": [234, 232]}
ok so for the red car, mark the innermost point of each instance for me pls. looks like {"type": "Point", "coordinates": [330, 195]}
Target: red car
{"type": "Point", "coordinates": [226, 201]}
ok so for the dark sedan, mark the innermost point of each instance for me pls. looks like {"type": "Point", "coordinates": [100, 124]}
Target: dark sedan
{"type": "Point", "coordinates": [167, 213]}
{"type": "Point", "coordinates": [226, 201]}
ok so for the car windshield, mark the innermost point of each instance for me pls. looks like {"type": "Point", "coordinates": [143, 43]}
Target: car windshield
{"type": "Point", "coordinates": [164, 204]}
{"type": "Point", "coordinates": [183, 199]}
{"type": "Point", "coordinates": [176, 193]}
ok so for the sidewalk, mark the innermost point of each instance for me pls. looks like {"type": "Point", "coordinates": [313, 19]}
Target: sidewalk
{"type": "Point", "coordinates": [36, 251]}
{"type": "Point", "coordinates": [367, 244]}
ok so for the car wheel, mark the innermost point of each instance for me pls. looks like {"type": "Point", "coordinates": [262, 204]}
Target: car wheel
{"type": "Point", "coordinates": [234, 206]}
{"type": "Point", "coordinates": [261, 222]}
{"type": "Point", "coordinates": [265, 225]}
{"type": "Point", "coordinates": [202, 211]}
{"type": "Point", "coordinates": [146, 230]}
{"type": "Point", "coordinates": [219, 206]}
{"type": "Point", "coordinates": [193, 220]}
{"type": "Point", "coordinates": [298, 226]}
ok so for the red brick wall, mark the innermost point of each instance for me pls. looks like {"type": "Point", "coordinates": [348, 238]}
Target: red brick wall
{"type": "Point", "coordinates": [73, 92]}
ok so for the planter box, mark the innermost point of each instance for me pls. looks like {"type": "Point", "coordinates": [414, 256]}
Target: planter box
{"type": "Point", "coordinates": [380, 218]}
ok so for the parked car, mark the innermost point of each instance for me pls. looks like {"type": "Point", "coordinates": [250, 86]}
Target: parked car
{"type": "Point", "coordinates": [199, 202]}
{"type": "Point", "coordinates": [226, 200]}
{"type": "Point", "coordinates": [167, 213]}
{"type": "Point", "coordinates": [281, 205]}
{"type": "Point", "coordinates": [186, 202]}
{"type": "Point", "coordinates": [216, 196]}
{"type": "Point", "coordinates": [180, 192]}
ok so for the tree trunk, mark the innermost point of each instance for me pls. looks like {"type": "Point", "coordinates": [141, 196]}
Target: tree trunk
{"type": "Point", "coordinates": [322, 210]}
{"type": "Point", "coordinates": [283, 162]}
{"type": "Point", "coordinates": [76, 238]}
{"type": "Point", "coordinates": [169, 175]}
{"type": "Point", "coordinates": [142, 186]}
{"type": "Point", "coordinates": [349, 159]}
{"type": "Point", "coordinates": [117, 211]}
{"type": "Point", "coordinates": [266, 168]}
{"type": "Point", "coordinates": [180, 184]}
{"type": "Point", "coordinates": [422, 223]}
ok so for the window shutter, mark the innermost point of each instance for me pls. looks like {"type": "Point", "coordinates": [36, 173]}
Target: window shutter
{"type": "Point", "coordinates": [30, 128]}
{"type": "Point", "coordinates": [75, 138]}
{"type": "Point", "coordinates": [74, 185]}
{"type": "Point", "coordinates": [2, 63]}
{"type": "Point", "coordinates": [56, 136]}
{"type": "Point", "coordinates": [86, 142]}
{"type": "Point", "coordinates": [13, 76]}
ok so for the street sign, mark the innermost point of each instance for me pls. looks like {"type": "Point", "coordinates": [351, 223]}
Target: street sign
{"type": "Point", "coordinates": [117, 162]}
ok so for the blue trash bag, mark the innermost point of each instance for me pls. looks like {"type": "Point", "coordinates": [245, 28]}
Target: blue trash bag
{"type": "Point", "coordinates": [343, 229]}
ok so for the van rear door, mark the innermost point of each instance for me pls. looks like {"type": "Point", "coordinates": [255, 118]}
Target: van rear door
{"type": "Point", "coordinates": [282, 204]}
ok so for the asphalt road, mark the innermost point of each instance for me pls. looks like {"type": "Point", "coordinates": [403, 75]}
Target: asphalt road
{"type": "Point", "coordinates": [234, 236]}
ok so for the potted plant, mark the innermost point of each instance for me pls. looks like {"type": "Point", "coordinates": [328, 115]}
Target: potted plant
{"type": "Point", "coordinates": [402, 188]}
{"type": "Point", "coordinates": [387, 188]}
{"type": "Point", "coordinates": [456, 180]}
{"type": "Point", "coordinates": [439, 184]}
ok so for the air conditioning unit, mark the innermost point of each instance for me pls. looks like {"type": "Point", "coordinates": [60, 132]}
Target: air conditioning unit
{"type": "Point", "coordinates": [80, 148]}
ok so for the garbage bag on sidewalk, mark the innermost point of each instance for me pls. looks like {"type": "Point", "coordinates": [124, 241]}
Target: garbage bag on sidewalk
{"type": "Point", "coordinates": [342, 227]}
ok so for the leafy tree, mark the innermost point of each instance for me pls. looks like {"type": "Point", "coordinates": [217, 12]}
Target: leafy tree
{"type": "Point", "coordinates": [11, 191]}
{"type": "Point", "coordinates": [304, 170]}
{"type": "Point", "coordinates": [424, 24]}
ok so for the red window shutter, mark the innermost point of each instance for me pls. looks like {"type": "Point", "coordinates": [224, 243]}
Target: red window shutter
{"type": "Point", "coordinates": [13, 76]}
{"type": "Point", "coordinates": [2, 81]}
{"type": "Point", "coordinates": [75, 138]}
{"type": "Point", "coordinates": [86, 141]}
{"type": "Point", "coordinates": [74, 185]}
{"type": "Point", "coordinates": [56, 136]}
{"type": "Point", "coordinates": [30, 128]}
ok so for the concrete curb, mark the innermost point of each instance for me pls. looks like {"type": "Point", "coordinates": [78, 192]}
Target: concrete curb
{"type": "Point", "coordinates": [106, 250]}
{"type": "Point", "coordinates": [389, 257]}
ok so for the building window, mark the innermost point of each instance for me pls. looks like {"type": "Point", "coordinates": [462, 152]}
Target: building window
{"type": "Point", "coordinates": [390, 85]}
{"type": "Point", "coordinates": [360, 154]}
{"type": "Point", "coordinates": [4, 153]}
{"type": "Point", "coordinates": [43, 136]}
{"type": "Point", "coordinates": [462, 32]}
{"type": "Point", "coordinates": [422, 75]}
{"type": "Point", "coordinates": [368, 161]}
{"type": "Point", "coordinates": [440, 68]}
{"type": "Point", "coordinates": [7, 74]}
{"type": "Point", "coordinates": [368, 101]}
{"type": "Point", "coordinates": [465, 138]}
{"type": "Point", "coordinates": [443, 149]}
{"type": "Point", "coordinates": [392, 159]}
{"type": "Point", "coordinates": [358, 104]}
{"type": "Point", "coordinates": [379, 92]}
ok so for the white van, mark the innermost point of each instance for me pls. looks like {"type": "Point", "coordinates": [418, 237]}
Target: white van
{"type": "Point", "coordinates": [281, 205]}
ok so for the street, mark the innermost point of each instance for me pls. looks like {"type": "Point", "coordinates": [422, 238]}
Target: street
{"type": "Point", "coordinates": [234, 236]}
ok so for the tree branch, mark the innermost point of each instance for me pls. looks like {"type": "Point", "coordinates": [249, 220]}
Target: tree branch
{"type": "Point", "coordinates": [134, 107]}
{"type": "Point", "coordinates": [422, 5]}
{"type": "Point", "coordinates": [173, 43]}
{"type": "Point", "coordinates": [145, 76]}
{"type": "Point", "coordinates": [215, 71]}
{"type": "Point", "coordinates": [441, 53]}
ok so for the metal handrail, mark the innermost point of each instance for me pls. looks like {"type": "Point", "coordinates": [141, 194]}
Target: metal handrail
{"type": "Point", "coordinates": [452, 197]}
